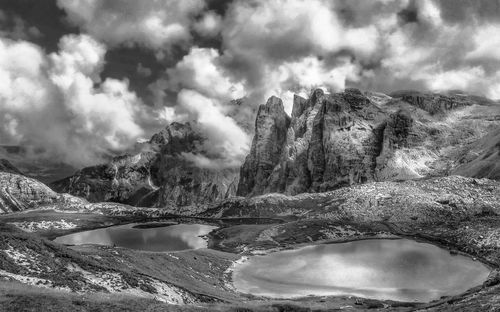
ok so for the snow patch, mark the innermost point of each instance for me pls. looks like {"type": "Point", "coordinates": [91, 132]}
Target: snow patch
{"type": "Point", "coordinates": [35, 281]}
{"type": "Point", "coordinates": [27, 259]}
{"type": "Point", "coordinates": [114, 283]}
{"type": "Point", "coordinates": [33, 226]}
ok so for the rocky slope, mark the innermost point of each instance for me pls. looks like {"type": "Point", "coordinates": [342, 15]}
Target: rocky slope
{"type": "Point", "coordinates": [19, 193]}
{"type": "Point", "coordinates": [482, 158]}
{"type": "Point", "coordinates": [334, 140]}
{"type": "Point", "coordinates": [158, 175]}
{"type": "Point", "coordinates": [415, 201]}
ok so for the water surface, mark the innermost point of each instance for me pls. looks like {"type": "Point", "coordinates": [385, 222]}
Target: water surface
{"type": "Point", "coordinates": [402, 270]}
{"type": "Point", "coordinates": [153, 238]}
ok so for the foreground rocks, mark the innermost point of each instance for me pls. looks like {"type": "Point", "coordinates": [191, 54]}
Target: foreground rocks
{"type": "Point", "coordinates": [458, 213]}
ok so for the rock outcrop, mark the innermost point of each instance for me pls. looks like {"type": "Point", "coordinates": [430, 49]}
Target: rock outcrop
{"type": "Point", "coordinates": [330, 143]}
{"type": "Point", "coordinates": [18, 193]}
{"type": "Point", "coordinates": [157, 176]}
{"type": "Point", "coordinates": [341, 139]}
{"type": "Point", "coordinates": [271, 126]}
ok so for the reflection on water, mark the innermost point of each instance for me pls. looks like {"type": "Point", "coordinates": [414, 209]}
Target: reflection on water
{"type": "Point", "coordinates": [167, 238]}
{"type": "Point", "coordinates": [402, 270]}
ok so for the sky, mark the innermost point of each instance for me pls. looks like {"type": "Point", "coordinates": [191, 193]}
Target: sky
{"type": "Point", "coordinates": [84, 79]}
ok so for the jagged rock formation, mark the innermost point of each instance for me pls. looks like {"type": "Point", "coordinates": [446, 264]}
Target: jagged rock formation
{"type": "Point", "coordinates": [330, 141]}
{"type": "Point", "coordinates": [157, 176]}
{"type": "Point", "coordinates": [19, 193]}
{"type": "Point", "coordinates": [347, 138]}
{"type": "Point", "coordinates": [6, 166]}
{"type": "Point", "coordinates": [270, 133]}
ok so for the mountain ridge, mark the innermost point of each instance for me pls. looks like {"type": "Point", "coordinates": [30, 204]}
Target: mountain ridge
{"type": "Point", "coordinates": [329, 141]}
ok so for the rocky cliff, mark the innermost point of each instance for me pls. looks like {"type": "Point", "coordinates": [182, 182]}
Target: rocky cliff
{"type": "Point", "coordinates": [341, 139]}
{"type": "Point", "coordinates": [156, 176]}
{"type": "Point", "coordinates": [271, 127]}
{"type": "Point", "coordinates": [19, 193]}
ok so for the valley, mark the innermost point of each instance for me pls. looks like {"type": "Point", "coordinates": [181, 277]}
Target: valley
{"type": "Point", "coordinates": [344, 167]}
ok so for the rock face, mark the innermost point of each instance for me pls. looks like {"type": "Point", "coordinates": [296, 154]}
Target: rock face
{"type": "Point", "coordinates": [158, 176]}
{"type": "Point", "coordinates": [19, 193]}
{"type": "Point", "coordinates": [336, 140]}
{"type": "Point", "coordinates": [271, 127]}
{"type": "Point", "coordinates": [330, 142]}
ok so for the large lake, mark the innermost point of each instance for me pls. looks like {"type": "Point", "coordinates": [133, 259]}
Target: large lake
{"type": "Point", "coordinates": [401, 269]}
{"type": "Point", "coordinates": [152, 237]}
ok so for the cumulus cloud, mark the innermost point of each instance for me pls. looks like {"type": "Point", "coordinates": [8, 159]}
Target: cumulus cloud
{"type": "Point", "coordinates": [227, 144]}
{"type": "Point", "coordinates": [200, 70]}
{"type": "Point", "coordinates": [270, 44]}
{"type": "Point", "coordinates": [154, 23]}
{"type": "Point", "coordinates": [204, 93]}
{"type": "Point", "coordinates": [14, 27]}
{"type": "Point", "coordinates": [57, 102]}
{"type": "Point", "coordinates": [209, 25]}
{"type": "Point", "coordinates": [487, 43]}
{"type": "Point", "coordinates": [249, 51]}
{"type": "Point", "coordinates": [292, 46]}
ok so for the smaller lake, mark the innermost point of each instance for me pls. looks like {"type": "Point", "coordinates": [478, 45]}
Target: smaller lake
{"type": "Point", "coordinates": [141, 236]}
{"type": "Point", "coordinates": [401, 270]}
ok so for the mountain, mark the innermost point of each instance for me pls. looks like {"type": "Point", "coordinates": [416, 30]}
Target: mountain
{"type": "Point", "coordinates": [341, 139]}
{"type": "Point", "coordinates": [35, 164]}
{"type": "Point", "coordinates": [6, 166]}
{"type": "Point", "coordinates": [329, 141]}
{"type": "Point", "coordinates": [158, 175]}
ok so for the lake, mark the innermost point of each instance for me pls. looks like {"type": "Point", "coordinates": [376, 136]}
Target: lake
{"type": "Point", "coordinates": [384, 269]}
{"type": "Point", "coordinates": [148, 237]}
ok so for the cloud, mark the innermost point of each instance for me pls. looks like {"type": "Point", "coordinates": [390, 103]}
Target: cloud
{"type": "Point", "coordinates": [292, 46]}
{"type": "Point", "coordinates": [209, 25]}
{"type": "Point", "coordinates": [204, 93]}
{"type": "Point", "coordinates": [227, 144]}
{"type": "Point", "coordinates": [14, 27]}
{"type": "Point", "coordinates": [200, 70]}
{"type": "Point", "coordinates": [250, 50]}
{"type": "Point", "coordinates": [487, 43]}
{"type": "Point", "coordinates": [58, 103]}
{"type": "Point", "coordinates": [156, 24]}
{"type": "Point", "coordinates": [143, 71]}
